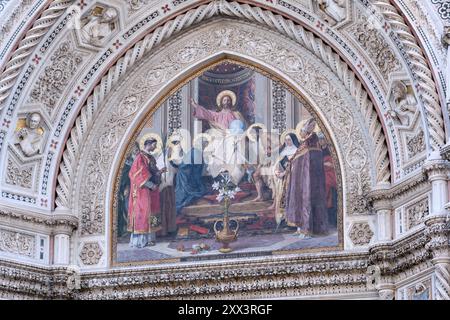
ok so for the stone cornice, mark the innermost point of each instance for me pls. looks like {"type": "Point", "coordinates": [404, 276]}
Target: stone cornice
{"type": "Point", "coordinates": [445, 152]}
{"type": "Point", "coordinates": [305, 275]}
{"type": "Point", "coordinates": [399, 189]}
{"type": "Point", "coordinates": [57, 222]}
{"type": "Point", "coordinates": [275, 277]}
{"type": "Point", "coordinates": [417, 248]}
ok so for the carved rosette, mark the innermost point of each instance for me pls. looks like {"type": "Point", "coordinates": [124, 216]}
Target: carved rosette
{"type": "Point", "coordinates": [91, 253]}
{"type": "Point", "coordinates": [361, 234]}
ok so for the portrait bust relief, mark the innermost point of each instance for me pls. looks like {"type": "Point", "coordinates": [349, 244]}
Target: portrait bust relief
{"type": "Point", "coordinates": [97, 27]}
{"type": "Point", "coordinates": [29, 135]}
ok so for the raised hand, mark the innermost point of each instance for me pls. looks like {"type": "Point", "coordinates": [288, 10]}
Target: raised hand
{"type": "Point", "coordinates": [193, 103]}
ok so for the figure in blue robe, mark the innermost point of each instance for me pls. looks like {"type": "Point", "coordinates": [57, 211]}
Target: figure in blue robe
{"type": "Point", "coordinates": [189, 186]}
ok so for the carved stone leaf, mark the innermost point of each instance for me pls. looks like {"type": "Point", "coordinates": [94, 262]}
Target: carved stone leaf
{"type": "Point", "coordinates": [52, 83]}
{"type": "Point", "coordinates": [17, 243]}
{"type": "Point", "coordinates": [17, 176]}
{"type": "Point", "coordinates": [371, 39]}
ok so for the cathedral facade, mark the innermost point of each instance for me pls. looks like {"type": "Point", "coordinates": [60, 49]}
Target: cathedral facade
{"type": "Point", "coordinates": [215, 149]}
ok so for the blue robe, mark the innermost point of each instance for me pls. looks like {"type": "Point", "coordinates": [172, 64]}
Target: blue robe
{"type": "Point", "coordinates": [189, 186]}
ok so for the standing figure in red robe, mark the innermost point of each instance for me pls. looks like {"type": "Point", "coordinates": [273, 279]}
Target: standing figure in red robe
{"type": "Point", "coordinates": [144, 209]}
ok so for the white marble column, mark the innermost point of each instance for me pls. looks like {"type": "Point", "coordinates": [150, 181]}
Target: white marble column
{"type": "Point", "coordinates": [385, 225]}
{"type": "Point", "coordinates": [437, 170]}
{"type": "Point", "coordinates": [61, 249]}
{"type": "Point", "coordinates": [65, 224]}
{"type": "Point", "coordinates": [385, 215]}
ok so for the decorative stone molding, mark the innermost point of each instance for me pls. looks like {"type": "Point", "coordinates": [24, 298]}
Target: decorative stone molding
{"type": "Point", "coordinates": [387, 293]}
{"type": "Point", "coordinates": [396, 258]}
{"type": "Point", "coordinates": [272, 277]}
{"type": "Point", "coordinates": [108, 135]}
{"type": "Point", "coordinates": [288, 276]}
{"type": "Point", "coordinates": [376, 47]}
{"type": "Point", "coordinates": [26, 46]}
{"type": "Point", "coordinates": [54, 222]}
{"type": "Point", "coordinates": [84, 122]}
{"type": "Point", "coordinates": [10, 22]}
{"type": "Point", "coordinates": [91, 253]}
{"type": "Point", "coordinates": [443, 8]}
{"type": "Point", "coordinates": [17, 243]}
{"type": "Point", "coordinates": [17, 176]}
{"type": "Point", "coordinates": [438, 231]}
{"type": "Point", "coordinates": [361, 234]}
{"type": "Point", "coordinates": [420, 68]}
{"type": "Point", "coordinates": [445, 152]}
{"type": "Point", "coordinates": [446, 37]}
{"type": "Point", "coordinates": [416, 144]}
{"type": "Point", "coordinates": [417, 212]}
{"type": "Point", "coordinates": [73, 281]}
{"type": "Point", "coordinates": [437, 169]}
{"type": "Point", "coordinates": [403, 188]}
{"type": "Point", "coordinates": [50, 85]}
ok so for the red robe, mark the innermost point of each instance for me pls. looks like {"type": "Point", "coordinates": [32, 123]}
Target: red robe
{"type": "Point", "coordinates": [330, 179]}
{"type": "Point", "coordinates": [144, 206]}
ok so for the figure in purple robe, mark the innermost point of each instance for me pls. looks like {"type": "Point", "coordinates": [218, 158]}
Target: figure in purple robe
{"type": "Point", "coordinates": [304, 191]}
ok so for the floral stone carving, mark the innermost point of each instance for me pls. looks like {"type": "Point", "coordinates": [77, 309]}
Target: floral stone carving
{"type": "Point", "coordinates": [361, 234]}
{"type": "Point", "coordinates": [51, 85]}
{"type": "Point", "coordinates": [91, 253]}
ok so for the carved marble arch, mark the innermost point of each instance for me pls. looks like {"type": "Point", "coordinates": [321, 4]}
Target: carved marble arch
{"type": "Point", "coordinates": [158, 75]}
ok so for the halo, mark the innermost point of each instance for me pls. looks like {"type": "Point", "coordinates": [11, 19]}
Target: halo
{"type": "Point", "coordinates": [300, 126]}
{"type": "Point", "coordinates": [159, 143]}
{"type": "Point", "coordinates": [285, 133]}
{"type": "Point", "coordinates": [226, 93]}
{"type": "Point", "coordinates": [249, 130]}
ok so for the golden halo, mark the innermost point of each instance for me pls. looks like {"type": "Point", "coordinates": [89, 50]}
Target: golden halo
{"type": "Point", "coordinates": [250, 129]}
{"type": "Point", "coordinates": [300, 126]}
{"type": "Point", "coordinates": [226, 93]}
{"type": "Point", "coordinates": [159, 143]}
{"type": "Point", "coordinates": [285, 133]}
{"type": "Point", "coordinates": [203, 136]}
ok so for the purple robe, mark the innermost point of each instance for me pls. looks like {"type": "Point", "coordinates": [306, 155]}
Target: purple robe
{"type": "Point", "coordinates": [304, 195]}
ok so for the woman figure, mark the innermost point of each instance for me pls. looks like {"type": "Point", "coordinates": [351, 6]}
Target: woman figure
{"type": "Point", "coordinates": [287, 151]}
